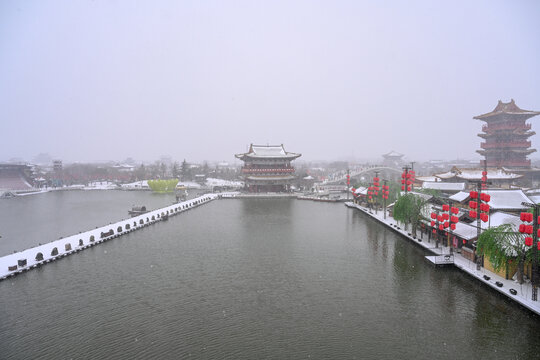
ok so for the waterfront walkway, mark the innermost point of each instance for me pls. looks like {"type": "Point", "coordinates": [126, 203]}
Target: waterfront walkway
{"type": "Point", "coordinates": [28, 259]}
{"type": "Point", "coordinates": [496, 282]}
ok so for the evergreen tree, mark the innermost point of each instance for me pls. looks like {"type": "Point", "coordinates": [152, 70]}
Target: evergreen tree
{"type": "Point", "coordinates": [186, 171]}
{"type": "Point", "coordinates": [175, 170]}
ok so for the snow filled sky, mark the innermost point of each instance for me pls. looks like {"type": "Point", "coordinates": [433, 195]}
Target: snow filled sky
{"type": "Point", "coordinates": [98, 80]}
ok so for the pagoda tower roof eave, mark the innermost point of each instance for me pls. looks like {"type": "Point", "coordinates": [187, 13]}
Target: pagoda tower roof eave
{"type": "Point", "coordinates": [289, 156]}
{"type": "Point", "coordinates": [495, 116]}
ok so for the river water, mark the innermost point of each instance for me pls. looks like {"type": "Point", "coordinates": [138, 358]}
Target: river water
{"type": "Point", "coordinates": [243, 279]}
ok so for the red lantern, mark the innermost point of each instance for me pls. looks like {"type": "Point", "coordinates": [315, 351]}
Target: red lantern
{"type": "Point", "coordinates": [473, 204]}
{"type": "Point", "coordinates": [472, 214]}
{"type": "Point", "coordinates": [432, 223]}
{"type": "Point", "coordinates": [402, 188]}
{"type": "Point", "coordinates": [434, 231]}
{"type": "Point", "coordinates": [529, 229]}
{"type": "Point", "coordinates": [439, 218]}
{"type": "Point", "coordinates": [454, 219]}
{"type": "Point", "coordinates": [523, 216]}
{"type": "Point", "coordinates": [446, 207]}
{"type": "Point", "coordinates": [455, 210]}
{"type": "Point", "coordinates": [375, 179]}
{"type": "Point", "coordinates": [522, 228]}
{"type": "Point", "coordinates": [446, 224]}
{"type": "Point", "coordinates": [408, 188]}
{"type": "Point", "coordinates": [464, 241]}
{"type": "Point", "coordinates": [453, 226]}
{"type": "Point", "coordinates": [484, 217]}
{"type": "Point", "coordinates": [487, 197]}
{"type": "Point", "coordinates": [473, 194]}
{"type": "Point", "coordinates": [445, 216]}
{"type": "Point", "coordinates": [538, 245]}
{"type": "Point", "coordinates": [441, 227]}
{"type": "Point", "coordinates": [433, 215]}
{"type": "Point", "coordinates": [528, 241]}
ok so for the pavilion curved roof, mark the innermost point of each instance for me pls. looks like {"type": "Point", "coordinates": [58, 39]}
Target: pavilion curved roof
{"type": "Point", "coordinates": [507, 108]}
{"type": "Point", "coordinates": [268, 152]}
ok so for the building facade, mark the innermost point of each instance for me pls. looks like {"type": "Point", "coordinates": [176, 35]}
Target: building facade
{"type": "Point", "coordinates": [267, 168]}
{"type": "Point", "coordinates": [506, 133]}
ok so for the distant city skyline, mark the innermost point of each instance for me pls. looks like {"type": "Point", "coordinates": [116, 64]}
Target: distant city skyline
{"type": "Point", "coordinates": [89, 81]}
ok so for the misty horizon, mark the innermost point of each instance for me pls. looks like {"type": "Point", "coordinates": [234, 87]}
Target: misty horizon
{"type": "Point", "coordinates": [89, 81]}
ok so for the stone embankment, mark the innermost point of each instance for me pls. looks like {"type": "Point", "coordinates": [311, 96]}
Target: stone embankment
{"type": "Point", "coordinates": [521, 294]}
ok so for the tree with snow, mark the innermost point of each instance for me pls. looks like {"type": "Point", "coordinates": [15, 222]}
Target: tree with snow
{"type": "Point", "coordinates": [503, 244]}
{"type": "Point", "coordinates": [409, 209]}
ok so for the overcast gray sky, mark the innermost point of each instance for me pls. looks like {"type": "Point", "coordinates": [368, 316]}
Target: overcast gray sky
{"type": "Point", "coordinates": [96, 80]}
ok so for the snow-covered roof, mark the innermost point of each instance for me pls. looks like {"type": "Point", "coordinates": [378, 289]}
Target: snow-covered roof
{"type": "Point", "coordinates": [446, 175]}
{"type": "Point", "coordinates": [460, 196]}
{"type": "Point", "coordinates": [492, 174]}
{"type": "Point", "coordinates": [507, 199]}
{"type": "Point", "coordinates": [534, 198]}
{"type": "Point", "coordinates": [427, 178]}
{"type": "Point", "coordinates": [499, 218]}
{"type": "Point", "coordinates": [268, 151]}
{"type": "Point", "coordinates": [500, 199]}
{"type": "Point", "coordinates": [393, 154]}
{"type": "Point", "coordinates": [476, 174]}
{"type": "Point", "coordinates": [361, 191]}
{"type": "Point", "coordinates": [465, 231]}
{"type": "Point", "coordinates": [443, 186]}
{"type": "Point", "coordinates": [507, 108]}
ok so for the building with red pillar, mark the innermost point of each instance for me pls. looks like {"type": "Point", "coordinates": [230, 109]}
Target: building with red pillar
{"type": "Point", "coordinates": [506, 133]}
{"type": "Point", "coordinates": [267, 168]}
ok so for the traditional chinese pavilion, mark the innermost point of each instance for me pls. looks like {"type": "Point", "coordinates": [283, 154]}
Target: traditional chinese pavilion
{"type": "Point", "coordinates": [506, 133]}
{"type": "Point", "coordinates": [267, 168]}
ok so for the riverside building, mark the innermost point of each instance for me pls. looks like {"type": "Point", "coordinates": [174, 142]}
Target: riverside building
{"type": "Point", "coordinates": [267, 168]}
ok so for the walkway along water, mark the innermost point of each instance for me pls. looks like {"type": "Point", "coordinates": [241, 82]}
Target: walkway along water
{"type": "Point", "coordinates": [16, 263]}
{"type": "Point", "coordinates": [509, 288]}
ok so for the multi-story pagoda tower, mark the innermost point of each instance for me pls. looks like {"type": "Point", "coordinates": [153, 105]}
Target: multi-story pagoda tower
{"type": "Point", "coordinates": [506, 134]}
{"type": "Point", "coordinates": [267, 168]}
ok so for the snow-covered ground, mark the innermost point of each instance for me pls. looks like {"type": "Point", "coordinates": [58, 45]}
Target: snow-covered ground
{"type": "Point", "coordinates": [72, 244]}
{"type": "Point", "coordinates": [100, 185]}
{"type": "Point", "coordinates": [137, 185]}
{"type": "Point", "coordinates": [211, 182]}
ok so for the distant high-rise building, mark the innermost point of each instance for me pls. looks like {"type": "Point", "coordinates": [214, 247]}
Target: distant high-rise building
{"type": "Point", "coordinates": [506, 134]}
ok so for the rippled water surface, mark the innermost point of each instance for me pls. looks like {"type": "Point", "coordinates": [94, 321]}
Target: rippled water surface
{"type": "Point", "coordinates": [249, 279]}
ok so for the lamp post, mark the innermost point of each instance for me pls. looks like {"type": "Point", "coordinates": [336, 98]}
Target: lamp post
{"type": "Point", "coordinates": [406, 179]}
{"type": "Point", "coordinates": [385, 192]}
{"type": "Point", "coordinates": [532, 241]}
{"type": "Point", "coordinates": [481, 204]}
{"type": "Point", "coordinates": [376, 189]}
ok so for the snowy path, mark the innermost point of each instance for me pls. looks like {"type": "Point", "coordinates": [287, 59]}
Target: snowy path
{"type": "Point", "coordinates": [524, 291]}
{"type": "Point", "coordinates": [25, 260]}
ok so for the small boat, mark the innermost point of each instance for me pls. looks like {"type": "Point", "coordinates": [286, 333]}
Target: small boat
{"type": "Point", "coordinates": [137, 210]}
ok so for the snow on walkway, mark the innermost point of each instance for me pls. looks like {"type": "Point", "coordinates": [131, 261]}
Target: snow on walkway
{"type": "Point", "coordinates": [523, 291]}
{"type": "Point", "coordinates": [28, 259]}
